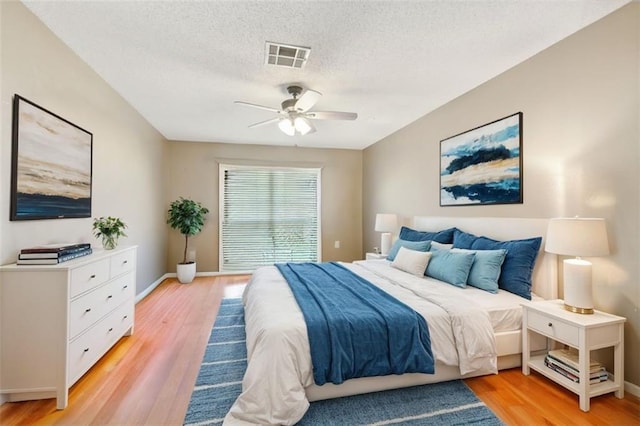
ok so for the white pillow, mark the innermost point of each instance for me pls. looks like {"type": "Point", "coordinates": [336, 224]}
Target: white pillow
{"type": "Point", "coordinates": [439, 246]}
{"type": "Point", "coordinates": [412, 261]}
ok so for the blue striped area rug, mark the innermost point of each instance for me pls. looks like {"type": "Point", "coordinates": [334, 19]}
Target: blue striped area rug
{"type": "Point", "coordinates": [220, 382]}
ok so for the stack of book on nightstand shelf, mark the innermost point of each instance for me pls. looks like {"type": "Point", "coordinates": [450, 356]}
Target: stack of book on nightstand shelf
{"type": "Point", "coordinates": [565, 362]}
{"type": "Point", "coordinates": [53, 254]}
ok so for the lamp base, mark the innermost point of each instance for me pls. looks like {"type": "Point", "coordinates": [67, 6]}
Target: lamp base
{"type": "Point", "coordinates": [577, 310]}
{"type": "Point", "coordinates": [577, 286]}
{"type": "Point", "coordinates": [385, 243]}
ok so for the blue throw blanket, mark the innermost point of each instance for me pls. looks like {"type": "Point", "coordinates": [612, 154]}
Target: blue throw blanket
{"type": "Point", "coordinates": [356, 329]}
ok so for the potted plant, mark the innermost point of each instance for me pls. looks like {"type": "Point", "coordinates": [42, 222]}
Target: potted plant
{"type": "Point", "coordinates": [187, 216]}
{"type": "Point", "coordinates": [110, 229]}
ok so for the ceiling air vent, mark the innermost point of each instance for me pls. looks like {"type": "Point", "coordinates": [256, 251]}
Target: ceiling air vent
{"type": "Point", "coordinates": [286, 55]}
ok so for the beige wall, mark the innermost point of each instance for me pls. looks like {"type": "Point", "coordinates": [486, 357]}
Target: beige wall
{"type": "Point", "coordinates": [193, 173]}
{"type": "Point", "coordinates": [128, 154]}
{"type": "Point", "coordinates": [580, 100]}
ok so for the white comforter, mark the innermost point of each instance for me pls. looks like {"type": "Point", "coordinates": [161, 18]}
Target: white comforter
{"type": "Point", "coordinates": [279, 361]}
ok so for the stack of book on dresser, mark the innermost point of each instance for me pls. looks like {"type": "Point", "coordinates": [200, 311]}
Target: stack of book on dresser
{"type": "Point", "coordinates": [53, 254]}
{"type": "Point", "coordinates": [565, 362]}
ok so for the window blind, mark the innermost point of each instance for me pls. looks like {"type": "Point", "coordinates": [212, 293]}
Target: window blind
{"type": "Point", "coordinates": [268, 215]}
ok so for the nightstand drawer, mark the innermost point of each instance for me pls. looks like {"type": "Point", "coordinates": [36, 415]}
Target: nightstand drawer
{"type": "Point", "coordinates": [553, 328]}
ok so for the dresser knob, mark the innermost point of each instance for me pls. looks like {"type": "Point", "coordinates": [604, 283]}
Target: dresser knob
{"type": "Point", "coordinates": [125, 286]}
{"type": "Point", "coordinates": [125, 317]}
{"type": "Point", "coordinates": [109, 296]}
{"type": "Point", "coordinates": [550, 325]}
{"type": "Point", "coordinates": [126, 261]}
{"type": "Point", "coordinates": [110, 330]}
{"type": "Point", "coordinates": [86, 350]}
{"type": "Point", "coordinates": [92, 276]}
{"type": "Point", "coordinates": [88, 310]}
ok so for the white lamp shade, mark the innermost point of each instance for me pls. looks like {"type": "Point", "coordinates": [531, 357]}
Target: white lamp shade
{"type": "Point", "coordinates": [577, 237]}
{"type": "Point", "coordinates": [386, 222]}
{"type": "Point", "coordinates": [287, 127]}
{"type": "Point", "coordinates": [302, 125]}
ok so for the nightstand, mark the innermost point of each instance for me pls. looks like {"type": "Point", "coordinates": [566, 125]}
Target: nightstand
{"type": "Point", "coordinates": [375, 256]}
{"type": "Point", "coordinates": [583, 332]}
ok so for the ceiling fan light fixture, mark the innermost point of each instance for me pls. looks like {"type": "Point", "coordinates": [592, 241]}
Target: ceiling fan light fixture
{"type": "Point", "coordinates": [301, 125]}
{"type": "Point", "coordinates": [296, 116]}
{"type": "Point", "coordinates": [287, 126]}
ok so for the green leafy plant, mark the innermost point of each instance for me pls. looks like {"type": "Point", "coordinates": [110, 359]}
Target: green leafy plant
{"type": "Point", "coordinates": [187, 216]}
{"type": "Point", "coordinates": [110, 229]}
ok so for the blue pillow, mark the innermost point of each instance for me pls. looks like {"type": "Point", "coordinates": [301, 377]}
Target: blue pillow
{"type": "Point", "coordinates": [486, 268]}
{"type": "Point", "coordinates": [411, 245]}
{"type": "Point", "coordinates": [462, 239]}
{"type": "Point", "coordinates": [517, 268]}
{"type": "Point", "coordinates": [450, 267]}
{"type": "Point", "coordinates": [444, 237]}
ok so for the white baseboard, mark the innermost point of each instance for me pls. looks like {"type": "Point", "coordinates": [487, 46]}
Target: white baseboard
{"type": "Point", "coordinates": [152, 287]}
{"type": "Point", "coordinates": [632, 389]}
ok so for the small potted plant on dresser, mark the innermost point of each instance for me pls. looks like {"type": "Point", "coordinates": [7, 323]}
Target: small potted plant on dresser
{"type": "Point", "coordinates": [109, 229]}
{"type": "Point", "coordinates": [187, 216]}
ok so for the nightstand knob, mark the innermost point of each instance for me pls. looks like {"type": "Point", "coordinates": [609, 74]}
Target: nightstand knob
{"type": "Point", "coordinates": [550, 325]}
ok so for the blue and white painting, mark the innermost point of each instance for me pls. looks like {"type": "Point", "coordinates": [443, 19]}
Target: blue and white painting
{"type": "Point", "coordinates": [483, 165]}
{"type": "Point", "coordinates": [52, 165]}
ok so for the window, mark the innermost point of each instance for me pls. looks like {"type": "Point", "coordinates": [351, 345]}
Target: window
{"type": "Point", "coordinates": [268, 215]}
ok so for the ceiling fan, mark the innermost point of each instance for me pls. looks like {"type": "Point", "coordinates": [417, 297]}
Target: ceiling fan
{"type": "Point", "coordinates": [294, 117]}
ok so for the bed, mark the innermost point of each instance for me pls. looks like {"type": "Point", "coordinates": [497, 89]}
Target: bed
{"type": "Point", "coordinates": [473, 332]}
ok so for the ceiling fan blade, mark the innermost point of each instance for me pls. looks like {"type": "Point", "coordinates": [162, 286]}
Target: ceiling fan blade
{"type": "Point", "coordinates": [262, 123]}
{"type": "Point", "coordinates": [332, 115]}
{"type": "Point", "coordinates": [257, 106]}
{"type": "Point", "coordinates": [307, 100]}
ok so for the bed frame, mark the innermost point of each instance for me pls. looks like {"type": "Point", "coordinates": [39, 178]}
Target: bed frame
{"type": "Point", "coordinates": [509, 344]}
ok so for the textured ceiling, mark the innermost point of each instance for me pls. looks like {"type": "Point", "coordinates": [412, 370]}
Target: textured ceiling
{"type": "Point", "coordinates": [181, 64]}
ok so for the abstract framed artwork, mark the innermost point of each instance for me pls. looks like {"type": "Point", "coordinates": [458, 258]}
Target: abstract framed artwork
{"type": "Point", "coordinates": [483, 165]}
{"type": "Point", "coordinates": [51, 165]}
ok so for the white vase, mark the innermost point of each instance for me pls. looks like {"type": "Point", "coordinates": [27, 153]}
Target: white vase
{"type": "Point", "coordinates": [186, 272]}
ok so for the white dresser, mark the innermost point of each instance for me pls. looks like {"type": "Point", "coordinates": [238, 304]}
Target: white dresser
{"type": "Point", "coordinates": [58, 320]}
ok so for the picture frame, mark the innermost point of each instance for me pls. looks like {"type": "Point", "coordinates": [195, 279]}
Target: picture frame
{"type": "Point", "coordinates": [483, 165]}
{"type": "Point", "coordinates": [51, 165]}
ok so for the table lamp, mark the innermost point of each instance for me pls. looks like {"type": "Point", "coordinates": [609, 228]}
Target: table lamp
{"type": "Point", "coordinates": [386, 223]}
{"type": "Point", "coordinates": [577, 237]}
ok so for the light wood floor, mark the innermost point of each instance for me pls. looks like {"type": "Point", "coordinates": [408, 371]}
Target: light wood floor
{"type": "Point", "coordinates": [147, 378]}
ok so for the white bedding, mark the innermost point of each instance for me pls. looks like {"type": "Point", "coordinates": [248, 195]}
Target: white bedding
{"type": "Point", "coordinates": [279, 362]}
{"type": "Point", "coordinates": [504, 308]}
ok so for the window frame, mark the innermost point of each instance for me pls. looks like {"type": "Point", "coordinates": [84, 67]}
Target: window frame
{"type": "Point", "coordinates": [222, 167]}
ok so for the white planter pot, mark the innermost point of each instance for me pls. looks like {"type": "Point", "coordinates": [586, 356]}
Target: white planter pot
{"type": "Point", "coordinates": [186, 272]}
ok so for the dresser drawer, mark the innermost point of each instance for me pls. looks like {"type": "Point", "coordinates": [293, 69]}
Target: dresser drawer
{"type": "Point", "coordinates": [94, 343]}
{"type": "Point", "coordinates": [121, 289]}
{"type": "Point", "coordinates": [118, 291]}
{"type": "Point", "coordinates": [87, 309]}
{"type": "Point", "coordinates": [123, 262]}
{"type": "Point", "coordinates": [553, 328]}
{"type": "Point", "coordinates": [88, 276]}
{"type": "Point", "coordinates": [90, 307]}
